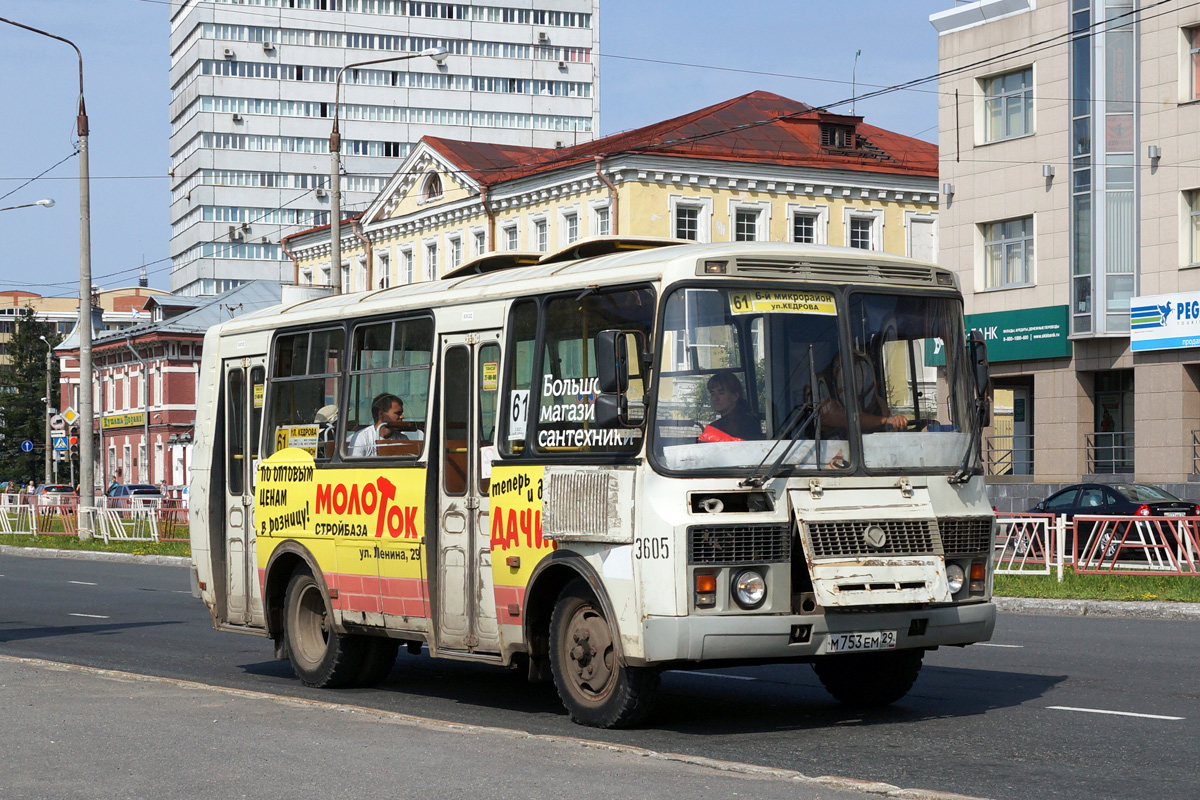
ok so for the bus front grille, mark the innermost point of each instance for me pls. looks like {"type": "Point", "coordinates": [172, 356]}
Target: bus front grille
{"type": "Point", "coordinates": [847, 538]}
{"type": "Point", "coordinates": [739, 544]}
{"type": "Point", "coordinates": [962, 535]}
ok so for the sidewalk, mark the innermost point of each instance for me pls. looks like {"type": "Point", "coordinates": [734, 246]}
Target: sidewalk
{"type": "Point", "coordinates": [79, 732]}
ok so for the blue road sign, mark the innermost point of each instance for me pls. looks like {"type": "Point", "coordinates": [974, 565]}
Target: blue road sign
{"type": "Point", "coordinates": [60, 442]}
{"type": "Point", "coordinates": [26, 446]}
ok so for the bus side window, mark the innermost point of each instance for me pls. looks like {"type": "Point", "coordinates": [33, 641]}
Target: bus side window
{"type": "Point", "coordinates": [304, 390]}
{"type": "Point", "coordinates": [522, 336]}
{"type": "Point", "coordinates": [390, 358]}
{"type": "Point", "coordinates": [488, 380]}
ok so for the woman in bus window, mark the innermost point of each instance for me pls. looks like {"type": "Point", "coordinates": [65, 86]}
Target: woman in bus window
{"type": "Point", "coordinates": [736, 421]}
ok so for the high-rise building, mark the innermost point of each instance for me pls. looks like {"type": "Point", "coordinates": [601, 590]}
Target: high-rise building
{"type": "Point", "coordinates": [252, 97]}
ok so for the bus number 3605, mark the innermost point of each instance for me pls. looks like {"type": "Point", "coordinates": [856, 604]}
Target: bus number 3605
{"type": "Point", "coordinates": [652, 547]}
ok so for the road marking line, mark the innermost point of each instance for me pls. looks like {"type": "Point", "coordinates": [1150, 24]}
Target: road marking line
{"type": "Point", "coordinates": [715, 675]}
{"type": "Point", "coordinates": [993, 644]}
{"type": "Point", "coordinates": [1114, 713]}
{"type": "Point", "coordinates": [84, 583]}
{"type": "Point", "coordinates": [89, 616]}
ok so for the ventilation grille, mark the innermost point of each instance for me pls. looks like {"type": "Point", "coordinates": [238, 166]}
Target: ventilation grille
{"type": "Point", "coordinates": [903, 537]}
{"type": "Point", "coordinates": [966, 535]}
{"type": "Point", "coordinates": [910, 273]}
{"type": "Point", "coordinates": [739, 544]}
{"type": "Point", "coordinates": [580, 503]}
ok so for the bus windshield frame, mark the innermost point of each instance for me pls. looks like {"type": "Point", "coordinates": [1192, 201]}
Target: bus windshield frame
{"type": "Point", "coordinates": [736, 364]}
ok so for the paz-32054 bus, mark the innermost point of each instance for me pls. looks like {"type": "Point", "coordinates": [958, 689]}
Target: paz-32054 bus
{"type": "Point", "coordinates": [615, 460]}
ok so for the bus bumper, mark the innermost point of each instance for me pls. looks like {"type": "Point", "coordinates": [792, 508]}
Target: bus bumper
{"type": "Point", "coordinates": [745, 636]}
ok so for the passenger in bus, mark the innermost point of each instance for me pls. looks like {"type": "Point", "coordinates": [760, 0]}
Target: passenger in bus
{"type": "Point", "coordinates": [736, 421]}
{"type": "Point", "coordinates": [387, 410]}
{"type": "Point", "coordinates": [874, 412]}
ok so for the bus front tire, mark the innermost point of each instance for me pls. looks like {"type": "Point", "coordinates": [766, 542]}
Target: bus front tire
{"type": "Point", "coordinates": [869, 680]}
{"type": "Point", "coordinates": [595, 687]}
{"type": "Point", "coordinates": [320, 656]}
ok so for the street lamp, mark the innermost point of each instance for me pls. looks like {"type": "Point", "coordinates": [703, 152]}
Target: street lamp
{"type": "Point", "coordinates": [439, 54]}
{"type": "Point", "coordinates": [48, 203]}
{"type": "Point", "coordinates": [85, 298]}
{"type": "Point", "coordinates": [49, 355]}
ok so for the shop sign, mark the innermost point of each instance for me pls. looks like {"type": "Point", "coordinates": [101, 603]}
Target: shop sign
{"type": "Point", "coordinates": [123, 420]}
{"type": "Point", "coordinates": [1164, 321]}
{"type": "Point", "coordinates": [1022, 335]}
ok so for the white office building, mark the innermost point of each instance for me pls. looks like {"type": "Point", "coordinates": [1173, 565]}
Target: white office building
{"type": "Point", "coordinates": [252, 96]}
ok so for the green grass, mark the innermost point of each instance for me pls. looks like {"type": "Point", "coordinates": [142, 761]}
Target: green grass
{"type": "Point", "coordinates": [97, 545]}
{"type": "Point", "coordinates": [1146, 588]}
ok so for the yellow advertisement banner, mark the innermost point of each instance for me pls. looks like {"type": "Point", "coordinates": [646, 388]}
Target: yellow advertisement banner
{"type": "Point", "coordinates": [779, 301]}
{"type": "Point", "coordinates": [515, 513]}
{"type": "Point", "coordinates": [123, 420]}
{"type": "Point", "coordinates": [372, 516]}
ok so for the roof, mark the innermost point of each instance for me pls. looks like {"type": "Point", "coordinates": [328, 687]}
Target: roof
{"type": "Point", "coordinates": [759, 126]}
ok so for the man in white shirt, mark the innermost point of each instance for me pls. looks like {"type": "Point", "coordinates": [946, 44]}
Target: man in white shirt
{"type": "Point", "coordinates": [388, 412]}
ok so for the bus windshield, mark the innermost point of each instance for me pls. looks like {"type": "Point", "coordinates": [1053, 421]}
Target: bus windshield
{"type": "Point", "coordinates": [751, 376]}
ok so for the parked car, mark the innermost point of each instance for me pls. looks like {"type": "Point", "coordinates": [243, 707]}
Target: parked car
{"type": "Point", "coordinates": [50, 494]}
{"type": "Point", "coordinates": [1113, 500]}
{"type": "Point", "coordinates": [124, 495]}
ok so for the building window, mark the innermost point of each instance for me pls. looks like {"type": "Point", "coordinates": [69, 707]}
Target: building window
{"type": "Point", "coordinates": [570, 227]}
{"type": "Point", "coordinates": [409, 267]}
{"type": "Point", "coordinates": [1193, 39]}
{"type": "Point", "coordinates": [804, 228]}
{"type": "Point", "coordinates": [860, 232]}
{"type": "Point", "coordinates": [745, 225]}
{"type": "Point", "coordinates": [480, 238]}
{"type": "Point", "coordinates": [1008, 105]}
{"type": "Point", "coordinates": [840, 137]}
{"type": "Point", "coordinates": [602, 226]}
{"type": "Point", "coordinates": [383, 268]}
{"type": "Point", "coordinates": [1193, 203]}
{"type": "Point", "coordinates": [541, 235]}
{"type": "Point", "coordinates": [1008, 253]}
{"type": "Point", "coordinates": [345, 271]}
{"type": "Point", "coordinates": [510, 237]}
{"type": "Point", "coordinates": [687, 223]}
{"type": "Point", "coordinates": [430, 261]}
{"type": "Point", "coordinates": [433, 187]}
{"type": "Point", "coordinates": [455, 251]}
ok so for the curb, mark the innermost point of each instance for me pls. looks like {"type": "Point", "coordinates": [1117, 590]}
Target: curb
{"type": "Point", "coordinates": [94, 555]}
{"type": "Point", "coordinates": [1098, 608]}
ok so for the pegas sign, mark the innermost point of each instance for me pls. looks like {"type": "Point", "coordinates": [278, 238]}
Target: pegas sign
{"type": "Point", "coordinates": [1164, 321]}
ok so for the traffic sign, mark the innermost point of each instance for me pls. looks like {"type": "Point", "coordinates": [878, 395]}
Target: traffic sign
{"type": "Point", "coordinates": [70, 415]}
{"type": "Point", "coordinates": [60, 441]}
{"type": "Point", "coordinates": [26, 446]}
{"type": "Point", "coordinates": [58, 422]}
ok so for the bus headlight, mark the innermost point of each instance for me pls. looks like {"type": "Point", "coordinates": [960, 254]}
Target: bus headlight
{"type": "Point", "coordinates": [749, 588]}
{"type": "Point", "coordinates": [954, 577]}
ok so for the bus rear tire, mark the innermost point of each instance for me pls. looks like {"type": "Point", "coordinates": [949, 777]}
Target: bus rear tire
{"type": "Point", "coordinates": [869, 680]}
{"type": "Point", "coordinates": [320, 656]}
{"type": "Point", "coordinates": [379, 656]}
{"type": "Point", "coordinates": [595, 687]}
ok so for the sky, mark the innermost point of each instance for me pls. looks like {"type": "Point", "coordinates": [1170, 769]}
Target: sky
{"type": "Point", "coordinates": [657, 60]}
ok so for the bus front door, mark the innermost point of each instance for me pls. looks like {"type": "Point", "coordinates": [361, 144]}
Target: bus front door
{"type": "Point", "coordinates": [466, 602]}
{"type": "Point", "coordinates": [244, 384]}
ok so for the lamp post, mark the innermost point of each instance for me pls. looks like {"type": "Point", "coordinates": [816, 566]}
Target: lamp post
{"type": "Point", "coordinates": [49, 355]}
{"type": "Point", "coordinates": [48, 203]}
{"type": "Point", "coordinates": [439, 55]}
{"type": "Point", "coordinates": [85, 299]}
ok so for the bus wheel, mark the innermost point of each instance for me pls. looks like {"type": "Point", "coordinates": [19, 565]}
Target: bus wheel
{"type": "Point", "coordinates": [596, 689]}
{"type": "Point", "coordinates": [869, 680]}
{"type": "Point", "coordinates": [379, 656]}
{"type": "Point", "coordinates": [320, 655]}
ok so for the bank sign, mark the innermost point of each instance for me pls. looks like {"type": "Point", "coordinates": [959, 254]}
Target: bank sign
{"type": "Point", "coordinates": [1022, 335]}
{"type": "Point", "coordinates": [1164, 321]}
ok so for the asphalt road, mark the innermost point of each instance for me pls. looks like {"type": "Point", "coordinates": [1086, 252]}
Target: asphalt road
{"type": "Point", "coordinates": [1053, 707]}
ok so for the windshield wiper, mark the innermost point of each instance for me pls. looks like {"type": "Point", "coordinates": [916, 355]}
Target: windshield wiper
{"type": "Point", "coordinates": [800, 423]}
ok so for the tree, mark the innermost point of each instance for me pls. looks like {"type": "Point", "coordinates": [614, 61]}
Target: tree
{"type": "Point", "coordinates": [22, 387]}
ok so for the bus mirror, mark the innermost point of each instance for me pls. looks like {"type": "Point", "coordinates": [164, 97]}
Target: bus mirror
{"type": "Point", "coordinates": [610, 410]}
{"type": "Point", "coordinates": [612, 361]}
{"type": "Point", "coordinates": [979, 362]}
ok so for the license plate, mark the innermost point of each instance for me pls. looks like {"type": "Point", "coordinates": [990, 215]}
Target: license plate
{"type": "Point", "coordinates": [860, 642]}
{"type": "Point", "coordinates": [1174, 513]}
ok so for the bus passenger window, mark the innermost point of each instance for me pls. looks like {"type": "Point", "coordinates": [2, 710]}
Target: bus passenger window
{"type": "Point", "coordinates": [305, 380]}
{"type": "Point", "coordinates": [488, 377]}
{"type": "Point", "coordinates": [389, 388]}
{"type": "Point", "coordinates": [522, 336]}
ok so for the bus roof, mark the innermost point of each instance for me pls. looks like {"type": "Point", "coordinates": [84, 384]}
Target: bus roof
{"type": "Point", "coordinates": [770, 260]}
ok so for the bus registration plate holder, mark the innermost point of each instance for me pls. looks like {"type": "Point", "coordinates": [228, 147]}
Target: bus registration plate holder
{"type": "Point", "coordinates": [859, 642]}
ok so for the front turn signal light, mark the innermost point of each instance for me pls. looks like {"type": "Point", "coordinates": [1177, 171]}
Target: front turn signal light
{"type": "Point", "coordinates": [706, 590]}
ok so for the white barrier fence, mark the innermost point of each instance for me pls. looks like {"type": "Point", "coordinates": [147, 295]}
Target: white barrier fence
{"type": "Point", "coordinates": [120, 519]}
{"type": "Point", "coordinates": [1030, 544]}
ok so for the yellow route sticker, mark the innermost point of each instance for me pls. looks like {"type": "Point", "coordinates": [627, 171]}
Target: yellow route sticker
{"type": "Point", "coordinates": [779, 301]}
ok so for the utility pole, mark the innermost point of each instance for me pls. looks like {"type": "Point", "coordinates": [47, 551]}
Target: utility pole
{"type": "Point", "coordinates": [48, 448]}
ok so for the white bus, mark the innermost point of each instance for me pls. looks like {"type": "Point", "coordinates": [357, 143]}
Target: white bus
{"type": "Point", "coordinates": [626, 457]}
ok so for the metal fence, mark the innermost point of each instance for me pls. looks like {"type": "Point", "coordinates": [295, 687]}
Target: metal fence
{"type": "Point", "coordinates": [113, 518]}
{"type": "Point", "coordinates": [1109, 453]}
{"type": "Point", "coordinates": [1010, 454]}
